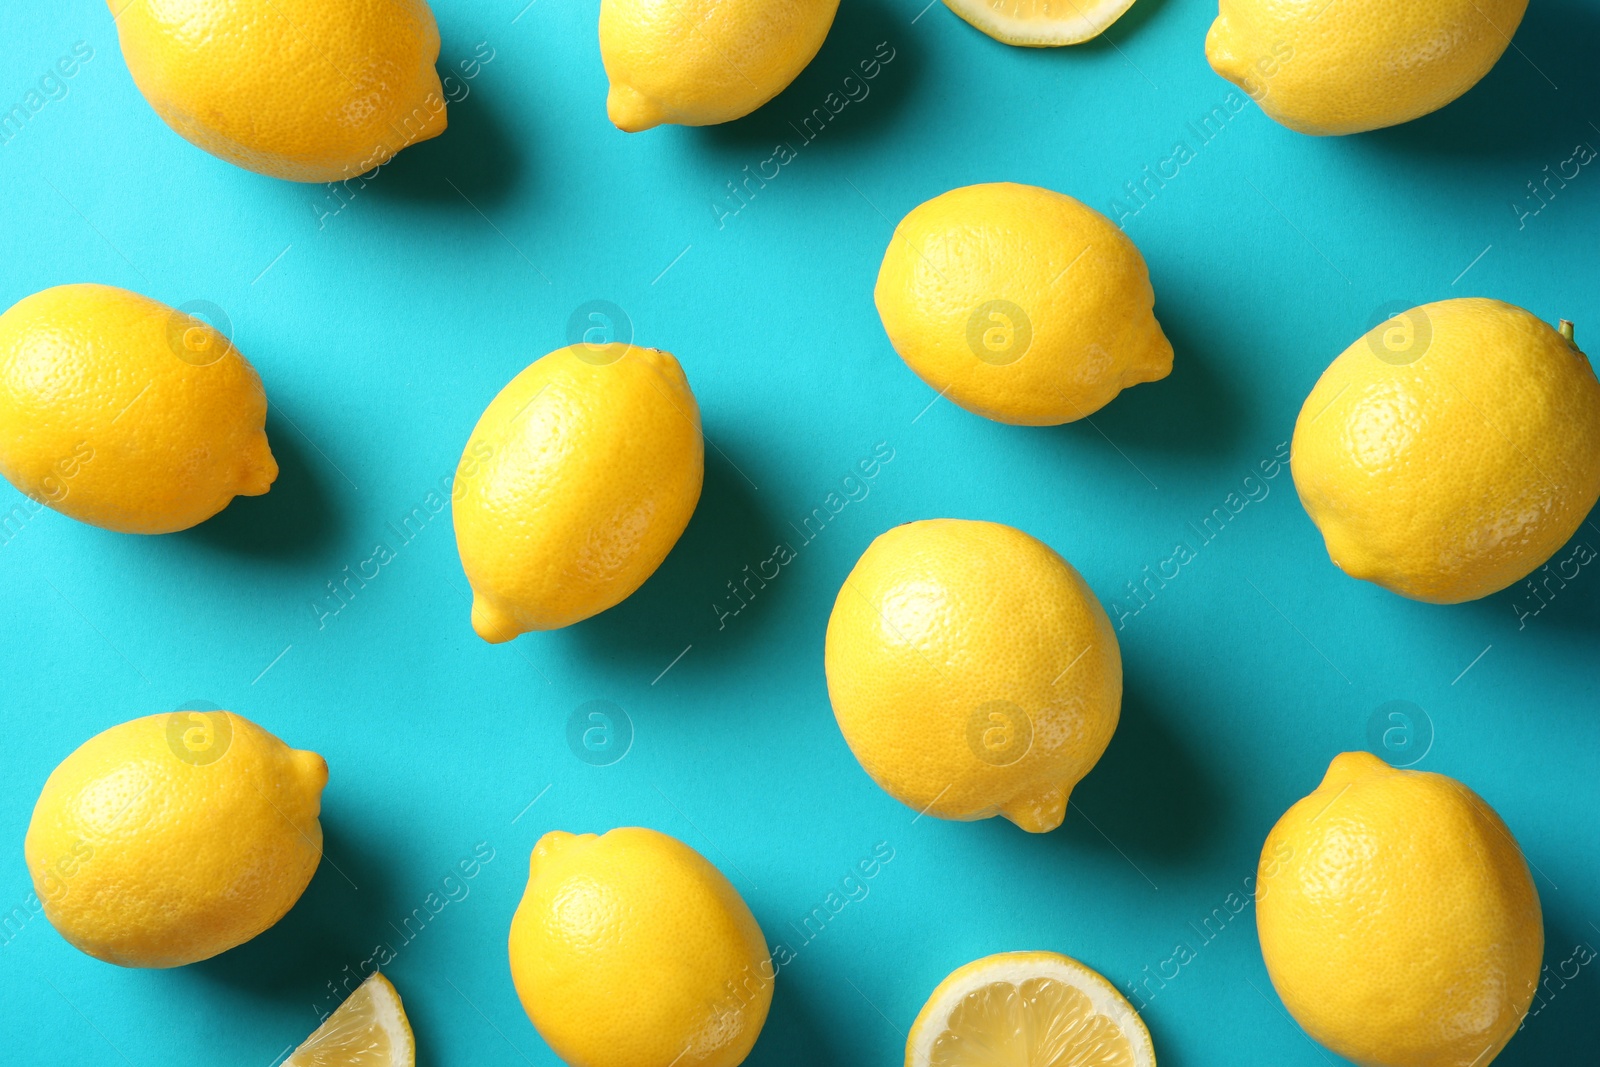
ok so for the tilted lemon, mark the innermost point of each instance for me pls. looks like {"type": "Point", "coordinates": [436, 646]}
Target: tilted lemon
{"type": "Point", "coordinates": [1020, 304]}
{"type": "Point", "coordinates": [1343, 66]}
{"type": "Point", "coordinates": [1451, 450]}
{"type": "Point", "coordinates": [124, 413]}
{"type": "Point", "coordinates": [972, 671]}
{"type": "Point", "coordinates": [575, 484]}
{"type": "Point", "coordinates": [171, 838]}
{"type": "Point", "coordinates": [700, 62]}
{"type": "Point", "coordinates": [1040, 23]}
{"type": "Point", "coordinates": [1027, 1009]}
{"type": "Point", "coordinates": [1397, 917]}
{"type": "Point", "coordinates": [307, 90]}
{"type": "Point", "coordinates": [369, 1029]}
{"type": "Point", "coordinates": [630, 950]}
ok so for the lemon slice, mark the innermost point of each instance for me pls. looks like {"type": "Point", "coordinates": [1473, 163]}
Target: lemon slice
{"type": "Point", "coordinates": [1040, 23]}
{"type": "Point", "coordinates": [1028, 1009]}
{"type": "Point", "coordinates": [368, 1030]}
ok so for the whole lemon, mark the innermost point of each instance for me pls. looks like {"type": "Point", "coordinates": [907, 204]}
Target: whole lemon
{"type": "Point", "coordinates": [1343, 66]}
{"type": "Point", "coordinates": [630, 950]}
{"type": "Point", "coordinates": [972, 671]}
{"type": "Point", "coordinates": [1451, 450]}
{"type": "Point", "coordinates": [1020, 304]}
{"type": "Point", "coordinates": [307, 90]}
{"type": "Point", "coordinates": [1397, 918]}
{"type": "Point", "coordinates": [700, 62]}
{"type": "Point", "coordinates": [124, 413]}
{"type": "Point", "coordinates": [172, 838]}
{"type": "Point", "coordinates": [575, 484]}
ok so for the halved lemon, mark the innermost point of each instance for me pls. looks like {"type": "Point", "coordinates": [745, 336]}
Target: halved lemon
{"type": "Point", "coordinates": [1028, 1009]}
{"type": "Point", "coordinates": [1040, 23]}
{"type": "Point", "coordinates": [368, 1030]}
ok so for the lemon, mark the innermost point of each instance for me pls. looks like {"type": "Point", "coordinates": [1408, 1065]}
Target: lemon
{"type": "Point", "coordinates": [630, 950]}
{"type": "Point", "coordinates": [307, 90]}
{"type": "Point", "coordinates": [1344, 66]}
{"type": "Point", "coordinates": [1397, 918]}
{"type": "Point", "coordinates": [1028, 1009]}
{"type": "Point", "coordinates": [369, 1029]}
{"type": "Point", "coordinates": [1451, 450]}
{"type": "Point", "coordinates": [125, 413]}
{"type": "Point", "coordinates": [575, 484]}
{"type": "Point", "coordinates": [700, 62]}
{"type": "Point", "coordinates": [1040, 23]}
{"type": "Point", "coordinates": [171, 838]}
{"type": "Point", "coordinates": [972, 671]}
{"type": "Point", "coordinates": [1020, 304]}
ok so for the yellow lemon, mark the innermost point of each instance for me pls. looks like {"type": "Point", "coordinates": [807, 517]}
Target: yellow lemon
{"type": "Point", "coordinates": [369, 1029]}
{"type": "Point", "coordinates": [1451, 450]}
{"type": "Point", "coordinates": [575, 484]}
{"type": "Point", "coordinates": [1040, 23]}
{"type": "Point", "coordinates": [1397, 918]}
{"type": "Point", "coordinates": [1020, 304]}
{"type": "Point", "coordinates": [972, 671]}
{"type": "Point", "coordinates": [124, 413]}
{"type": "Point", "coordinates": [630, 950]}
{"type": "Point", "coordinates": [700, 62]}
{"type": "Point", "coordinates": [1343, 66]}
{"type": "Point", "coordinates": [307, 90]}
{"type": "Point", "coordinates": [172, 838]}
{"type": "Point", "coordinates": [1027, 1009]}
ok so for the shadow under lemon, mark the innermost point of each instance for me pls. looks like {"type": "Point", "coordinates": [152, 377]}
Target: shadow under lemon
{"type": "Point", "coordinates": [796, 1033]}
{"type": "Point", "coordinates": [1559, 1025]}
{"type": "Point", "coordinates": [335, 924]}
{"type": "Point", "coordinates": [477, 152]}
{"type": "Point", "coordinates": [295, 519]}
{"type": "Point", "coordinates": [1149, 794]}
{"type": "Point", "coordinates": [676, 606]}
{"type": "Point", "coordinates": [843, 96]}
{"type": "Point", "coordinates": [1528, 108]}
{"type": "Point", "coordinates": [1194, 410]}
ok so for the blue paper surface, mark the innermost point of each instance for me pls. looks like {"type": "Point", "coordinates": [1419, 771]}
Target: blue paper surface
{"type": "Point", "coordinates": [384, 318]}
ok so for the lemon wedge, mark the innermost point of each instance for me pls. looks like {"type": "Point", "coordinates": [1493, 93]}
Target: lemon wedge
{"type": "Point", "coordinates": [368, 1030]}
{"type": "Point", "coordinates": [1040, 23]}
{"type": "Point", "coordinates": [1028, 1009]}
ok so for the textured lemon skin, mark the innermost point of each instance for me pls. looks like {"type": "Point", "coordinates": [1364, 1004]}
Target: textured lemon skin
{"type": "Point", "coordinates": [1078, 280]}
{"type": "Point", "coordinates": [1397, 918]}
{"type": "Point", "coordinates": [1346, 66]}
{"type": "Point", "coordinates": [576, 483]}
{"type": "Point", "coordinates": [1451, 476]}
{"type": "Point", "coordinates": [945, 624]}
{"type": "Point", "coordinates": [306, 90]}
{"type": "Point", "coordinates": [700, 62]}
{"type": "Point", "coordinates": [630, 950]}
{"type": "Point", "coordinates": [103, 420]}
{"type": "Point", "coordinates": [145, 859]}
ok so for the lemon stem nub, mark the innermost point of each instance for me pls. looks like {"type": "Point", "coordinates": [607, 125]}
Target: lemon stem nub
{"type": "Point", "coordinates": [1566, 331]}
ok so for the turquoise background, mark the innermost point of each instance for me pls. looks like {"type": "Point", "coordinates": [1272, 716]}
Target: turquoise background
{"type": "Point", "coordinates": [384, 326]}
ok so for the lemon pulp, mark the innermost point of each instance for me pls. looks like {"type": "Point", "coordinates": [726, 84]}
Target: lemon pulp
{"type": "Point", "coordinates": [1039, 1023]}
{"type": "Point", "coordinates": [368, 1030]}
{"type": "Point", "coordinates": [1028, 1009]}
{"type": "Point", "coordinates": [1040, 23]}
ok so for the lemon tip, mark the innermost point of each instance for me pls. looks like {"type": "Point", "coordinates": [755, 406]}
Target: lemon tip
{"type": "Point", "coordinates": [492, 623]}
{"type": "Point", "coordinates": [630, 110]}
{"type": "Point", "coordinates": [1040, 810]}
